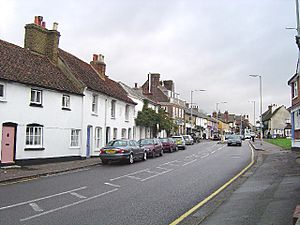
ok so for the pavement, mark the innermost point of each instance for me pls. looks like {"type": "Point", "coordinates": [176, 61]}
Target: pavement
{"type": "Point", "coordinates": [266, 194]}
{"type": "Point", "coordinates": [16, 173]}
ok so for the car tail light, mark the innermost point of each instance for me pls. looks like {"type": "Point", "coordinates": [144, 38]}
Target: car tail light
{"type": "Point", "coordinates": [102, 151]}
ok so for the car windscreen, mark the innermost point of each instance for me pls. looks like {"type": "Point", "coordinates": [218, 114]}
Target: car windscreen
{"type": "Point", "coordinates": [177, 138]}
{"type": "Point", "coordinates": [146, 142]}
{"type": "Point", "coordinates": [234, 137]}
{"type": "Point", "coordinates": [118, 143]}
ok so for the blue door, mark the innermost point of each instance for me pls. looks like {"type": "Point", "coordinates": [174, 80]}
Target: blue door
{"type": "Point", "coordinates": [88, 142]}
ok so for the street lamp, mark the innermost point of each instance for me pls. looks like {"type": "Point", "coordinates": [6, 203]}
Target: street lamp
{"type": "Point", "coordinates": [192, 104]}
{"type": "Point", "coordinates": [254, 122]}
{"type": "Point", "coordinates": [217, 104]}
{"type": "Point", "coordinates": [260, 93]}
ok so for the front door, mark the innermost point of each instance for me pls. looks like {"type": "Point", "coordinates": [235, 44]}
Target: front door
{"type": "Point", "coordinates": [88, 142]}
{"type": "Point", "coordinates": [8, 144]}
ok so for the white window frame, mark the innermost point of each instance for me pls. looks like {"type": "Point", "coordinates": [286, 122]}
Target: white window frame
{"type": "Point", "coordinates": [124, 133]}
{"type": "Point", "coordinates": [98, 137]}
{"type": "Point", "coordinates": [295, 89]}
{"type": "Point", "coordinates": [115, 133]}
{"type": "Point", "coordinates": [127, 111]}
{"type": "Point", "coordinates": [95, 103]}
{"type": "Point", "coordinates": [113, 108]}
{"type": "Point", "coordinates": [2, 97]}
{"type": "Point", "coordinates": [66, 101]}
{"type": "Point", "coordinates": [36, 96]}
{"type": "Point", "coordinates": [75, 138]}
{"type": "Point", "coordinates": [34, 136]}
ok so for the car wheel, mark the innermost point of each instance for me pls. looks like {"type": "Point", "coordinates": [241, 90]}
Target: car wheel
{"type": "Point", "coordinates": [144, 156]}
{"type": "Point", "coordinates": [161, 152]}
{"type": "Point", "coordinates": [176, 149]}
{"type": "Point", "coordinates": [104, 161]}
{"type": "Point", "coordinates": [130, 160]}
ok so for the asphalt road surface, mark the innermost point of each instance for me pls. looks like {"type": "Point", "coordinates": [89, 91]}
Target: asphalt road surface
{"type": "Point", "coordinates": [156, 191]}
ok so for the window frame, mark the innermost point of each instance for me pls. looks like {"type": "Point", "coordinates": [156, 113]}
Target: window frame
{"type": "Point", "coordinates": [34, 102]}
{"type": "Point", "coordinates": [95, 99]}
{"type": "Point", "coordinates": [295, 89]}
{"type": "Point", "coordinates": [66, 102]}
{"type": "Point", "coordinates": [34, 137]}
{"type": "Point", "coordinates": [127, 111]}
{"type": "Point", "coordinates": [75, 138]}
{"type": "Point", "coordinates": [3, 97]}
{"type": "Point", "coordinates": [98, 137]}
{"type": "Point", "coordinates": [113, 109]}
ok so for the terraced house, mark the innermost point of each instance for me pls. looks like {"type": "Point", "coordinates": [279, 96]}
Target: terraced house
{"type": "Point", "coordinates": [53, 104]}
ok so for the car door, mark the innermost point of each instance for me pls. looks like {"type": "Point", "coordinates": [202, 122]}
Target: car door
{"type": "Point", "coordinates": [135, 148]}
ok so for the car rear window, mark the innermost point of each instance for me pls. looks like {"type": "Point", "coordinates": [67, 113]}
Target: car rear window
{"type": "Point", "coordinates": [118, 143]}
{"type": "Point", "coordinates": [164, 140]}
{"type": "Point", "coordinates": [147, 142]}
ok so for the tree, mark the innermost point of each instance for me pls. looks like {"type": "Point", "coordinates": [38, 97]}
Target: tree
{"type": "Point", "coordinates": [155, 121]}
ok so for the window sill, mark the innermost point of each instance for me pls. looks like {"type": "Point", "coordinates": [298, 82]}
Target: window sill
{"type": "Point", "coordinates": [74, 147]}
{"type": "Point", "coordinates": [113, 118]}
{"type": "Point", "coordinates": [127, 121]}
{"type": "Point", "coordinates": [34, 149]}
{"type": "Point", "coordinates": [3, 100]}
{"type": "Point", "coordinates": [36, 105]}
{"type": "Point", "coordinates": [94, 114]}
{"type": "Point", "coordinates": [66, 109]}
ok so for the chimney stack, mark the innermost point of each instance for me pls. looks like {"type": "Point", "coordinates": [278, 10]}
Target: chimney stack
{"type": "Point", "coordinates": [99, 65]}
{"type": "Point", "coordinates": [41, 40]}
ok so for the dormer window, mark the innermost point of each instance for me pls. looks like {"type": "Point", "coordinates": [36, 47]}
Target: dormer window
{"type": "Point", "coordinates": [36, 97]}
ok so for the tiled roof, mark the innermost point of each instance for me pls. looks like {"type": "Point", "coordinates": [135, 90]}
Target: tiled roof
{"type": "Point", "coordinates": [91, 79]}
{"type": "Point", "coordinates": [138, 93]}
{"type": "Point", "coordinates": [20, 65]}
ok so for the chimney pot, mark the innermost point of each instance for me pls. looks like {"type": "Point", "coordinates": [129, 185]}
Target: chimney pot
{"type": "Point", "coordinates": [40, 19]}
{"type": "Point", "coordinates": [95, 57]}
{"type": "Point", "coordinates": [55, 25]}
{"type": "Point", "coordinates": [135, 85]}
{"type": "Point", "coordinates": [36, 20]}
{"type": "Point", "coordinates": [101, 58]}
{"type": "Point", "coordinates": [44, 24]}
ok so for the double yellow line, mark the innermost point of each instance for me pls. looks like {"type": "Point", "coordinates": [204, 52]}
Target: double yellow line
{"type": "Point", "coordinates": [200, 204]}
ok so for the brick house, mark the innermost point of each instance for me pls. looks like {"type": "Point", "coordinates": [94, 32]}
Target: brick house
{"type": "Point", "coordinates": [163, 92]}
{"type": "Point", "coordinates": [295, 111]}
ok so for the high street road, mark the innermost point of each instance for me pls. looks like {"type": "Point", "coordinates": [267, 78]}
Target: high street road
{"type": "Point", "coordinates": [157, 191]}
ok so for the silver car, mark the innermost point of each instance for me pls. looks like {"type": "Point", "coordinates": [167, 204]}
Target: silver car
{"type": "Point", "coordinates": [234, 140]}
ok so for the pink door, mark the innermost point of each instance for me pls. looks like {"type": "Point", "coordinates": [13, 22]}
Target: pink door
{"type": "Point", "coordinates": [8, 144]}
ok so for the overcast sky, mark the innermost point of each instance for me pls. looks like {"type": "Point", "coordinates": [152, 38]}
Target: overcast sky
{"type": "Point", "coordinates": [199, 44]}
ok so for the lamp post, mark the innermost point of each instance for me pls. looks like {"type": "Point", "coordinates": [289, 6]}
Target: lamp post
{"type": "Point", "coordinates": [253, 101]}
{"type": "Point", "coordinates": [260, 93]}
{"type": "Point", "coordinates": [192, 105]}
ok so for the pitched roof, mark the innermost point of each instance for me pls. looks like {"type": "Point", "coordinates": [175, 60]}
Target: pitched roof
{"type": "Point", "coordinates": [20, 65]}
{"type": "Point", "coordinates": [91, 79]}
{"type": "Point", "coordinates": [138, 93]}
{"type": "Point", "coordinates": [268, 114]}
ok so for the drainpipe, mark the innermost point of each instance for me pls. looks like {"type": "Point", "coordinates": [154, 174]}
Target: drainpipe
{"type": "Point", "coordinates": [105, 120]}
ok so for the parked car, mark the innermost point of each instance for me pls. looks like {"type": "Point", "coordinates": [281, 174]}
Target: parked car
{"type": "Point", "coordinates": [168, 144]}
{"type": "Point", "coordinates": [234, 140]}
{"type": "Point", "coordinates": [188, 139]}
{"type": "Point", "coordinates": [179, 140]}
{"type": "Point", "coordinates": [216, 137]}
{"type": "Point", "coordinates": [152, 146]}
{"type": "Point", "coordinates": [122, 150]}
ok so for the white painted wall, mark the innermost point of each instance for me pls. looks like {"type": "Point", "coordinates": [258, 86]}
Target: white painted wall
{"type": "Point", "coordinates": [57, 122]}
{"type": "Point", "coordinates": [103, 119]}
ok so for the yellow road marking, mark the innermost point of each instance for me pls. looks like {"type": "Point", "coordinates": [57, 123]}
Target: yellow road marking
{"type": "Point", "coordinates": [19, 181]}
{"type": "Point", "coordinates": [185, 215]}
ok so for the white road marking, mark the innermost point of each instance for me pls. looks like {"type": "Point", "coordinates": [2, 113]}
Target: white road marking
{"type": "Point", "coordinates": [126, 175]}
{"type": "Point", "coordinates": [77, 195]}
{"type": "Point", "coordinates": [133, 177]}
{"type": "Point", "coordinates": [167, 171]}
{"type": "Point", "coordinates": [35, 207]}
{"type": "Point", "coordinates": [189, 162]}
{"type": "Point", "coordinates": [204, 156]}
{"type": "Point", "coordinates": [38, 199]}
{"type": "Point", "coordinates": [66, 206]}
{"type": "Point", "coordinates": [113, 185]}
{"type": "Point", "coordinates": [213, 152]}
